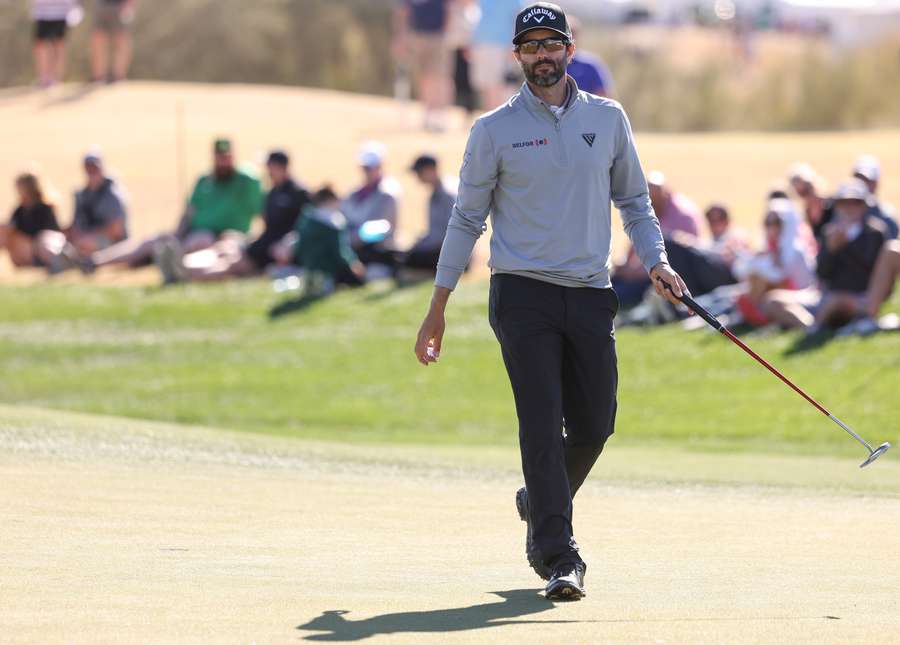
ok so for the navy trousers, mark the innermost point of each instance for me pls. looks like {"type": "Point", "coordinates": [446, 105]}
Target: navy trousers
{"type": "Point", "coordinates": [558, 345]}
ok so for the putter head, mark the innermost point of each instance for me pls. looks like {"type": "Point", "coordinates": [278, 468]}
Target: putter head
{"type": "Point", "coordinates": [880, 450]}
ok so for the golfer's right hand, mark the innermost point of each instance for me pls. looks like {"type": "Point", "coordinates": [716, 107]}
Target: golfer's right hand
{"type": "Point", "coordinates": [428, 342]}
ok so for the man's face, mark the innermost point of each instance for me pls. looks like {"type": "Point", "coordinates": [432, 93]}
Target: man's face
{"type": "Point", "coordinates": [277, 173]}
{"type": "Point", "coordinates": [717, 221]}
{"type": "Point", "coordinates": [223, 162]}
{"type": "Point", "coordinates": [802, 187]}
{"type": "Point", "coordinates": [773, 227]}
{"type": "Point", "coordinates": [372, 174]}
{"type": "Point", "coordinates": [544, 68]}
{"type": "Point", "coordinates": [657, 194]}
{"type": "Point", "coordinates": [427, 174]}
{"type": "Point", "coordinates": [93, 171]}
{"type": "Point", "coordinates": [851, 211]}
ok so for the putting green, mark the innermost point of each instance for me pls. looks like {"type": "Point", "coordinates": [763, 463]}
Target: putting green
{"type": "Point", "coordinates": [123, 530]}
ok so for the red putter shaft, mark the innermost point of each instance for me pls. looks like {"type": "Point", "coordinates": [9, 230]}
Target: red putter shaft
{"type": "Point", "coordinates": [874, 453]}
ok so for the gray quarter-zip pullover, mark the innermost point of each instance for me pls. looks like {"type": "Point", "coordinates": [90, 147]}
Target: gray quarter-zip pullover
{"type": "Point", "coordinates": [548, 182]}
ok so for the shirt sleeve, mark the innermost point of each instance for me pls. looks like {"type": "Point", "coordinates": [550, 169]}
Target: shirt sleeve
{"type": "Point", "coordinates": [255, 197]}
{"type": "Point", "coordinates": [78, 212]}
{"type": "Point", "coordinates": [477, 179]}
{"type": "Point", "coordinates": [628, 189]}
{"type": "Point", "coordinates": [195, 194]}
{"type": "Point", "coordinates": [595, 80]}
{"type": "Point", "coordinates": [112, 207]}
{"type": "Point", "coordinates": [48, 218]}
{"type": "Point", "coordinates": [390, 212]}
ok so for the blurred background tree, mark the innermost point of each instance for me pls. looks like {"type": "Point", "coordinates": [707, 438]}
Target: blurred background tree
{"type": "Point", "coordinates": [686, 79]}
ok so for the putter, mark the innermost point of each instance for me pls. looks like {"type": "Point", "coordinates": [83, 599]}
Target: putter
{"type": "Point", "coordinates": [690, 303]}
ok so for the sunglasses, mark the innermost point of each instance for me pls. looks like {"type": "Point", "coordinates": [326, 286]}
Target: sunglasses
{"type": "Point", "coordinates": [551, 46]}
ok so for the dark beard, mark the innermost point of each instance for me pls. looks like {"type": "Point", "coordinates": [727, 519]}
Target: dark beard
{"type": "Point", "coordinates": [545, 78]}
{"type": "Point", "coordinates": [224, 174]}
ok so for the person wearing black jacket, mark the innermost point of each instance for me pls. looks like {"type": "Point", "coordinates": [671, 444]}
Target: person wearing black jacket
{"type": "Point", "coordinates": [850, 245]}
{"type": "Point", "coordinates": [31, 218]}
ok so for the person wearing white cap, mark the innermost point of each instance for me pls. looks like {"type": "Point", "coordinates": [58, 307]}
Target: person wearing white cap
{"type": "Point", "coordinates": [868, 169]}
{"type": "Point", "coordinates": [781, 268]}
{"type": "Point", "coordinates": [371, 210]}
{"type": "Point", "coordinates": [850, 245]}
{"type": "Point", "coordinates": [809, 187]}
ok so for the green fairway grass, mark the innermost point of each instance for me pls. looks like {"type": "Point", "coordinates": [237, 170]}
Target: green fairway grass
{"type": "Point", "coordinates": [343, 369]}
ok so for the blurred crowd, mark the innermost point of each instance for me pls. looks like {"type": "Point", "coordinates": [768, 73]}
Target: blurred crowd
{"type": "Point", "coordinates": [331, 240]}
{"type": "Point", "coordinates": [824, 259]}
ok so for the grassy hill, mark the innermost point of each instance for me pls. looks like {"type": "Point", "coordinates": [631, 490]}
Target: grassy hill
{"type": "Point", "coordinates": [343, 370]}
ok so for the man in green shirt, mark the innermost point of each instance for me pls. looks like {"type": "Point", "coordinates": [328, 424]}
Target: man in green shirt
{"type": "Point", "coordinates": [223, 203]}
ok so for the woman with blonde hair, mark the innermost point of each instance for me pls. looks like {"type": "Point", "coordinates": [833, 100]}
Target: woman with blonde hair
{"type": "Point", "coordinates": [30, 220]}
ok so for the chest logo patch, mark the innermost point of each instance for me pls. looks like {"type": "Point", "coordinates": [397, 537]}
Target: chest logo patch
{"type": "Point", "coordinates": [531, 143]}
{"type": "Point", "coordinates": [589, 138]}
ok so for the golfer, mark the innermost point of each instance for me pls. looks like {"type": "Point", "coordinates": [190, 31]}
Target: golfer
{"type": "Point", "coordinates": [545, 165]}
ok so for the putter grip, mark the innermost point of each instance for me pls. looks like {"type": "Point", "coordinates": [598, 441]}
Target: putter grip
{"type": "Point", "coordinates": [691, 304]}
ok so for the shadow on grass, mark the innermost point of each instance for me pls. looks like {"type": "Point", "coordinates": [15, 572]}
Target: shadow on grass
{"type": "Point", "coordinates": [294, 306]}
{"type": "Point", "coordinates": [396, 287]}
{"type": "Point", "coordinates": [810, 342]}
{"type": "Point", "coordinates": [334, 626]}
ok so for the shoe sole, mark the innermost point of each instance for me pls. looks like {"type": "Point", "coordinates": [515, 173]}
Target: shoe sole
{"type": "Point", "coordinates": [566, 592]}
{"type": "Point", "coordinates": [536, 565]}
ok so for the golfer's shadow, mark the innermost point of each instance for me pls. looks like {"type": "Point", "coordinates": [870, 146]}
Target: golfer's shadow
{"type": "Point", "coordinates": [335, 626]}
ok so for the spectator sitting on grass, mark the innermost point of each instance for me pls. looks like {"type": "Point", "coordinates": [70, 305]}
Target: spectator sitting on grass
{"type": "Point", "coordinates": [223, 204]}
{"type": "Point", "coordinates": [868, 169]}
{"type": "Point", "coordinates": [100, 221]}
{"type": "Point", "coordinates": [846, 261]}
{"type": "Point", "coordinates": [782, 265]}
{"type": "Point", "coordinates": [424, 253]}
{"type": "Point", "coordinates": [32, 217]}
{"type": "Point", "coordinates": [704, 265]}
{"type": "Point", "coordinates": [229, 258]}
{"type": "Point", "coordinates": [675, 213]}
{"type": "Point", "coordinates": [320, 244]}
{"type": "Point", "coordinates": [809, 187]}
{"type": "Point", "coordinates": [371, 212]}
{"type": "Point", "coordinates": [728, 241]}
{"type": "Point", "coordinates": [881, 285]}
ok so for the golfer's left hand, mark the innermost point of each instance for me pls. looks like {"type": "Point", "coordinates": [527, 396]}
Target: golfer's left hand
{"type": "Point", "coordinates": [663, 274]}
